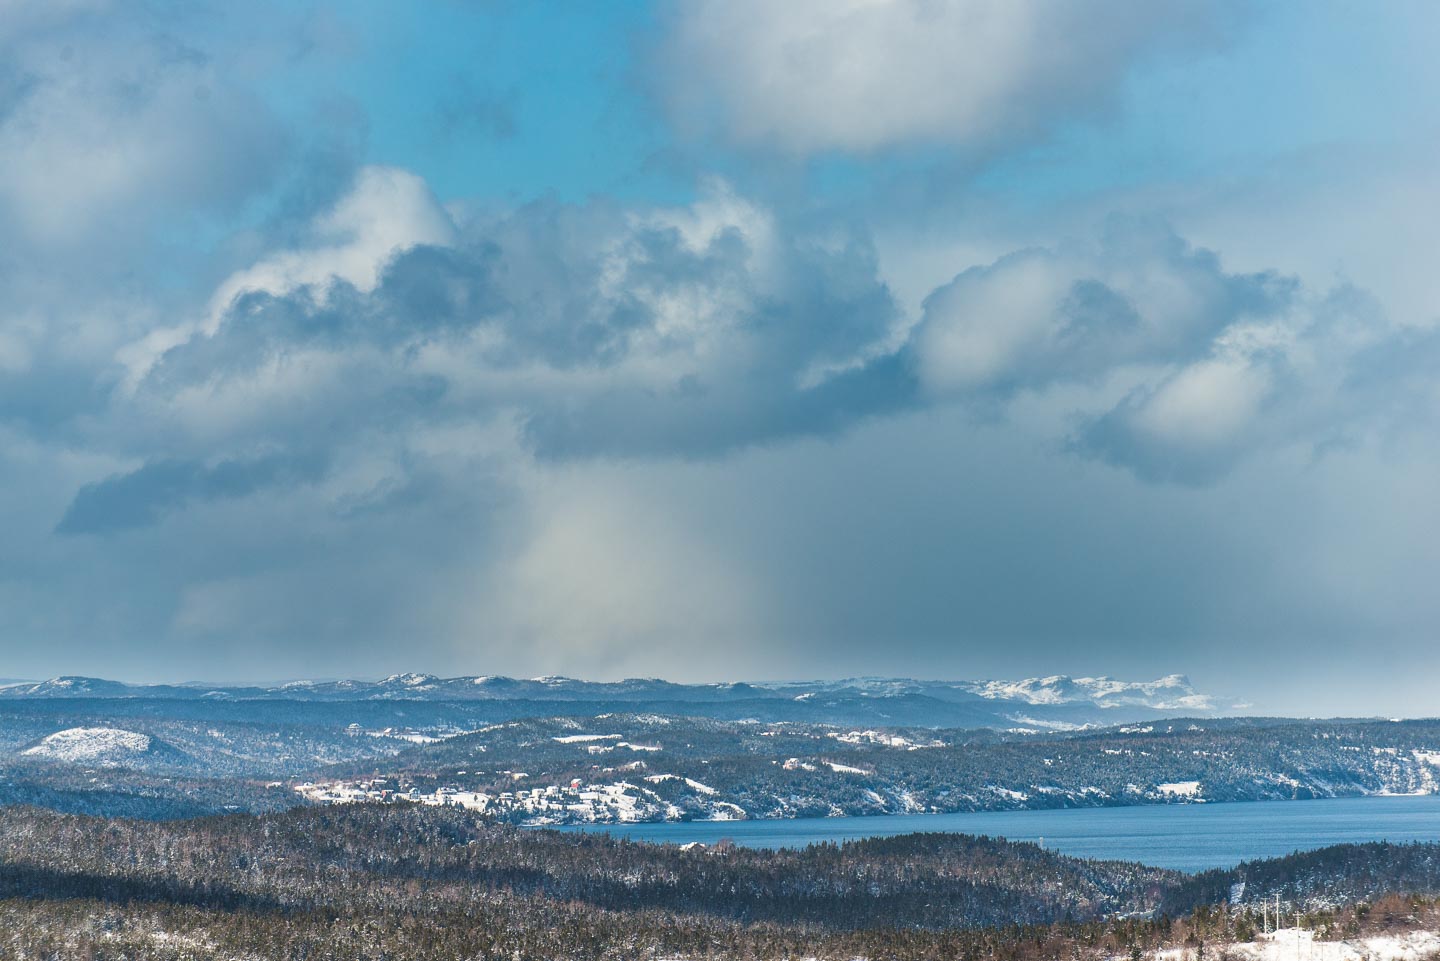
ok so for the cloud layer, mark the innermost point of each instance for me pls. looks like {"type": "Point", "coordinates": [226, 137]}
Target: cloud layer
{"type": "Point", "coordinates": [553, 334]}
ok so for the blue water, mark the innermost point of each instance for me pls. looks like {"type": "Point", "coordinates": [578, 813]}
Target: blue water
{"type": "Point", "coordinates": [1188, 837]}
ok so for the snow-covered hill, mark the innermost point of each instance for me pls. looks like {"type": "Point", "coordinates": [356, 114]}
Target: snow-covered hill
{"type": "Point", "coordinates": [102, 746]}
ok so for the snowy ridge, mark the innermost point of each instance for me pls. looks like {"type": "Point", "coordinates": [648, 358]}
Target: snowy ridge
{"type": "Point", "coordinates": [1056, 702]}
{"type": "Point", "coordinates": [1172, 692]}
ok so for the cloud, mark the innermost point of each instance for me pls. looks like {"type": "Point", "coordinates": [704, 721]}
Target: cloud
{"type": "Point", "coordinates": [1164, 362]}
{"type": "Point", "coordinates": [109, 123]}
{"type": "Point", "coordinates": [624, 352]}
{"type": "Point", "coordinates": [141, 497]}
{"type": "Point", "coordinates": [1036, 317]}
{"type": "Point", "coordinates": [358, 433]}
{"type": "Point", "coordinates": [1190, 427]}
{"type": "Point", "coordinates": [131, 143]}
{"type": "Point", "coordinates": [574, 332]}
{"type": "Point", "coordinates": [386, 210]}
{"type": "Point", "coordinates": [1304, 379]}
{"type": "Point", "coordinates": [597, 331]}
{"type": "Point", "coordinates": [867, 75]}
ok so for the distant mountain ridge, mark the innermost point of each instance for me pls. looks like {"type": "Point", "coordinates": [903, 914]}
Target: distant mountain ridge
{"type": "Point", "coordinates": [1174, 692]}
{"type": "Point", "coordinates": [1053, 702]}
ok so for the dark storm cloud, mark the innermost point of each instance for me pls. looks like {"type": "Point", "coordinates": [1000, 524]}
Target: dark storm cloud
{"type": "Point", "coordinates": [143, 496]}
{"type": "Point", "coordinates": [699, 420]}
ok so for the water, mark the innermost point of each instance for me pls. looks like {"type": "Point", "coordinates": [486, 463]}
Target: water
{"type": "Point", "coordinates": [1187, 837]}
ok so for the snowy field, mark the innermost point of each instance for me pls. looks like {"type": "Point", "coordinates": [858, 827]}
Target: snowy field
{"type": "Point", "coordinates": [1297, 944]}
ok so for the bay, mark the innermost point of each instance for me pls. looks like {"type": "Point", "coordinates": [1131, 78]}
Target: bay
{"type": "Point", "coordinates": [1187, 837]}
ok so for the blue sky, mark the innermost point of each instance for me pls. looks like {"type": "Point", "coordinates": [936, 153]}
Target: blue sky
{"type": "Point", "coordinates": [723, 340]}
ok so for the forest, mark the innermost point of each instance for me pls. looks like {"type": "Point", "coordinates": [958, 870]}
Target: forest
{"type": "Point", "coordinates": [402, 882]}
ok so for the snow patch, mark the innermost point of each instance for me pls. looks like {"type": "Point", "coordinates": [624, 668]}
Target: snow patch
{"type": "Point", "coordinates": [844, 768]}
{"type": "Point", "coordinates": [1287, 944]}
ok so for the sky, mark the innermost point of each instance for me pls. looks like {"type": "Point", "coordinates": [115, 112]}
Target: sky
{"type": "Point", "coordinates": [724, 339]}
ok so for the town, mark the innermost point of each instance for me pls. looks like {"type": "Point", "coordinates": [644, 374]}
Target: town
{"type": "Point", "coordinates": [620, 801]}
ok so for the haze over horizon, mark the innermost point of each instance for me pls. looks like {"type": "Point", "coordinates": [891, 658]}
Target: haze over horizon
{"type": "Point", "coordinates": [722, 340]}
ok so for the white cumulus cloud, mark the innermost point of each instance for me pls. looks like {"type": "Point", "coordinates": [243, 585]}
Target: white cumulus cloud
{"type": "Point", "coordinates": [863, 75]}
